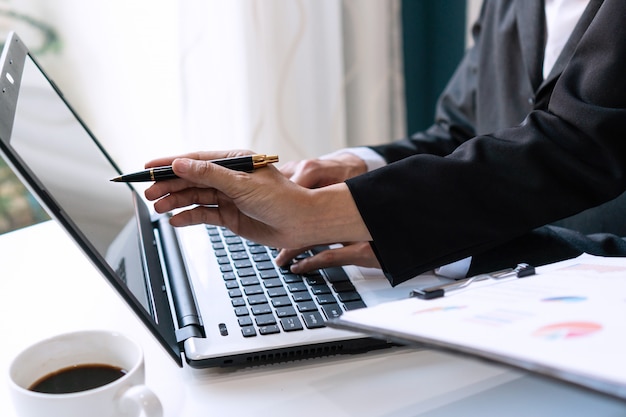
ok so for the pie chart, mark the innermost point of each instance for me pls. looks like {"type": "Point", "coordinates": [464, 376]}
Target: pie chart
{"type": "Point", "coordinates": [567, 330]}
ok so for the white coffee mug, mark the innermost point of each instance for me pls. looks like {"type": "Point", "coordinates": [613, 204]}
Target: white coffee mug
{"type": "Point", "coordinates": [126, 396]}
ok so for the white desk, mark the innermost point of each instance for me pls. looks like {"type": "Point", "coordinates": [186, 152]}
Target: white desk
{"type": "Point", "coordinates": [47, 287]}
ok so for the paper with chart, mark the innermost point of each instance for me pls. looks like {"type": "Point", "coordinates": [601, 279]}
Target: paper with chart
{"type": "Point", "coordinates": [568, 322]}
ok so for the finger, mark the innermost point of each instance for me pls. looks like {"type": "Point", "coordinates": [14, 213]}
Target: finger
{"type": "Point", "coordinates": [306, 173]}
{"type": "Point", "coordinates": [185, 198]}
{"type": "Point", "coordinates": [325, 259]}
{"type": "Point", "coordinates": [200, 155]}
{"type": "Point", "coordinates": [359, 254]}
{"type": "Point", "coordinates": [209, 175]}
{"type": "Point", "coordinates": [289, 168]}
{"type": "Point", "coordinates": [160, 189]}
{"type": "Point", "coordinates": [286, 256]}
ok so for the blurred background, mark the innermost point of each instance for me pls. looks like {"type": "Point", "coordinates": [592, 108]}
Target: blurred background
{"type": "Point", "coordinates": [297, 78]}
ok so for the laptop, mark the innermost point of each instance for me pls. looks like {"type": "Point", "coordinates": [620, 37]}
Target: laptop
{"type": "Point", "coordinates": [210, 298]}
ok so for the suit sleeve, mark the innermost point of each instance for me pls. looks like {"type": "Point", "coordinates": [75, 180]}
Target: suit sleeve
{"type": "Point", "coordinates": [428, 210]}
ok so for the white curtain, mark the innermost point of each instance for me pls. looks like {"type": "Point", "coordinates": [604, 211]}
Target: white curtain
{"type": "Point", "coordinates": [298, 78]}
{"type": "Point", "coordinates": [116, 62]}
{"type": "Point", "coordinates": [151, 77]}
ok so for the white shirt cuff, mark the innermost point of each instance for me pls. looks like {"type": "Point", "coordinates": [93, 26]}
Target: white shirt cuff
{"type": "Point", "coordinates": [455, 270]}
{"type": "Point", "coordinates": [372, 159]}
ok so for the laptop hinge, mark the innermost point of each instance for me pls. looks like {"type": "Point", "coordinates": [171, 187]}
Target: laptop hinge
{"type": "Point", "coordinates": [187, 332]}
{"type": "Point", "coordinates": [189, 322]}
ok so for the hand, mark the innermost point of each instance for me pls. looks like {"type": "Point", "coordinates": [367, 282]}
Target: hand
{"type": "Point", "coordinates": [315, 173]}
{"type": "Point", "coordinates": [359, 253]}
{"type": "Point", "coordinates": [263, 206]}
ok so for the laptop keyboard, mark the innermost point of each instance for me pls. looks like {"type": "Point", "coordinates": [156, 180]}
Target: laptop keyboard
{"type": "Point", "coordinates": [268, 299]}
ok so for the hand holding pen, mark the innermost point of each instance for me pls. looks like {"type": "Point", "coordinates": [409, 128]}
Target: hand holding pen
{"type": "Point", "coordinates": [240, 163]}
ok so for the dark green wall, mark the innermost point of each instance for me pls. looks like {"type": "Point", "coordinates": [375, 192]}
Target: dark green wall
{"type": "Point", "coordinates": [433, 41]}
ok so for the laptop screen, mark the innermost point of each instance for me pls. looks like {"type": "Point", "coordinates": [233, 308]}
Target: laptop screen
{"type": "Point", "coordinates": [62, 163]}
{"type": "Point", "coordinates": [72, 169]}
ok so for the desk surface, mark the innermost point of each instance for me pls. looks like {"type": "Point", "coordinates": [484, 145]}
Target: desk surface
{"type": "Point", "coordinates": [48, 287]}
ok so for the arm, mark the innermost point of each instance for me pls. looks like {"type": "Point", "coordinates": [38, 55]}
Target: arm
{"type": "Point", "coordinates": [492, 188]}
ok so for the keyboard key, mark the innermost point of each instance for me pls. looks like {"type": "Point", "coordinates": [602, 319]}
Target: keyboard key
{"type": "Point", "coordinates": [271, 329]}
{"type": "Point", "coordinates": [284, 269]}
{"type": "Point", "coordinates": [317, 279]}
{"type": "Point", "coordinates": [232, 284]}
{"type": "Point", "coordinates": [265, 319]}
{"type": "Point", "coordinates": [332, 311]}
{"type": "Point", "coordinates": [212, 230]}
{"type": "Point", "coordinates": [238, 302]}
{"type": "Point", "coordinates": [242, 263]}
{"type": "Point", "coordinates": [291, 278]}
{"type": "Point", "coordinates": [253, 290]}
{"type": "Point", "coordinates": [301, 296]}
{"type": "Point", "coordinates": [237, 247]}
{"type": "Point", "coordinates": [354, 305]}
{"type": "Point", "coordinates": [261, 309]}
{"type": "Point", "coordinates": [320, 289]}
{"type": "Point", "coordinates": [306, 306]}
{"type": "Point", "coordinates": [257, 299]}
{"type": "Point", "coordinates": [336, 274]}
{"type": "Point", "coordinates": [261, 257]}
{"type": "Point", "coordinates": [226, 268]}
{"type": "Point", "coordinates": [297, 286]}
{"type": "Point", "coordinates": [268, 274]}
{"type": "Point", "coordinates": [273, 283]}
{"type": "Point", "coordinates": [276, 292]}
{"type": "Point", "coordinates": [247, 281]}
{"type": "Point", "coordinates": [241, 311]}
{"type": "Point", "coordinates": [246, 272]}
{"type": "Point", "coordinates": [257, 249]}
{"type": "Point", "coordinates": [235, 293]}
{"type": "Point", "coordinates": [343, 286]}
{"type": "Point", "coordinates": [248, 331]}
{"type": "Point", "coordinates": [244, 321]}
{"type": "Point", "coordinates": [326, 299]}
{"type": "Point", "coordinates": [262, 266]}
{"type": "Point", "coordinates": [348, 296]}
{"type": "Point", "coordinates": [281, 301]}
{"type": "Point", "coordinates": [229, 276]}
{"type": "Point", "coordinates": [291, 324]}
{"type": "Point", "coordinates": [313, 320]}
{"type": "Point", "coordinates": [239, 256]}
{"type": "Point", "coordinates": [232, 240]}
{"type": "Point", "coordinates": [223, 260]}
{"type": "Point", "coordinates": [285, 311]}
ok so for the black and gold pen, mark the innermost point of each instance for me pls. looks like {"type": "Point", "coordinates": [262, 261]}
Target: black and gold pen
{"type": "Point", "coordinates": [240, 163]}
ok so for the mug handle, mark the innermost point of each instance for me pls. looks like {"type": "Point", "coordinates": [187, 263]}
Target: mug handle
{"type": "Point", "coordinates": [140, 397]}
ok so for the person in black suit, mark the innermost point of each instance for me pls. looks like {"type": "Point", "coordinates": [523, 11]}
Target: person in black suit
{"type": "Point", "coordinates": [514, 147]}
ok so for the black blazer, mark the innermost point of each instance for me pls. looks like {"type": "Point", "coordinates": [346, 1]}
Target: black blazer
{"type": "Point", "coordinates": [509, 151]}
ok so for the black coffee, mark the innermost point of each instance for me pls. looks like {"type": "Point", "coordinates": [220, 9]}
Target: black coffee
{"type": "Point", "coordinates": [77, 378]}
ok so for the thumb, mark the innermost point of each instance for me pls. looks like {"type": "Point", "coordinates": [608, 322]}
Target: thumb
{"type": "Point", "coordinates": [202, 172]}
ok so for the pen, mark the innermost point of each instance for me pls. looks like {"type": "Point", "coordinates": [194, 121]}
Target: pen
{"type": "Point", "coordinates": [240, 163]}
{"type": "Point", "coordinates": [520, 271]}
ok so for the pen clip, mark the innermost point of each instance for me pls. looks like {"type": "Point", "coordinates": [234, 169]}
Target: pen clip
{"type": "Point", "coordinates": [520, 271]}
